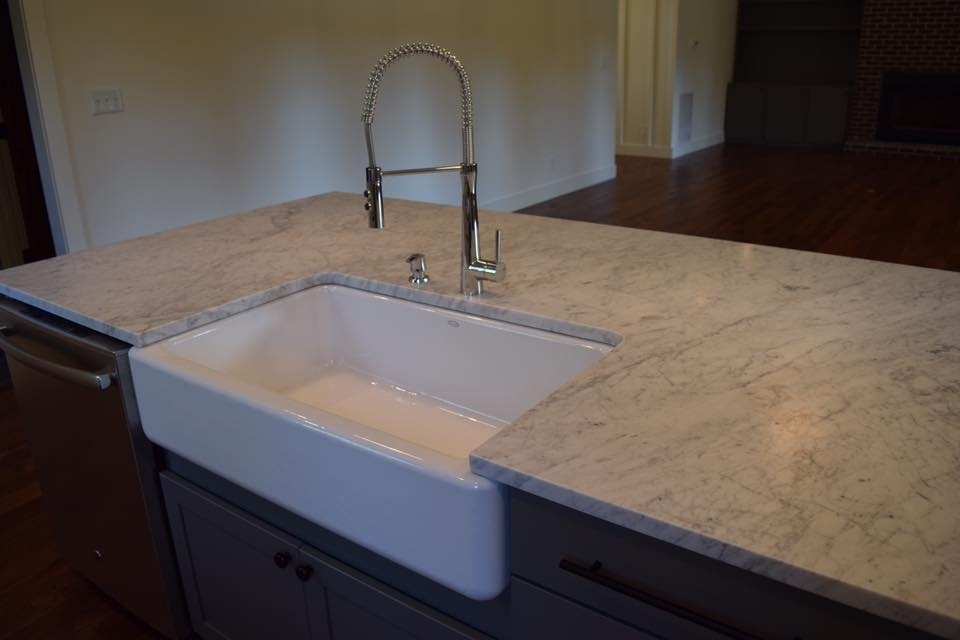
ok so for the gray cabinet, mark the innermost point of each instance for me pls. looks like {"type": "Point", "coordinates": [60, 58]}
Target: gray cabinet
{"type": "Point", "coordinates": [246, 580]}
{"type": "Point", "coordinates": [574, 576]}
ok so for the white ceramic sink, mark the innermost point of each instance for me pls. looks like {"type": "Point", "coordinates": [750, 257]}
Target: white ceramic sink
{"type": "Point", "coordinates": [358, 412]}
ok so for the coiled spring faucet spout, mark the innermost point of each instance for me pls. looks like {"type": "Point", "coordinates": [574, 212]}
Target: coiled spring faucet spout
{"type": "Point", "coordinates": [473, 268]}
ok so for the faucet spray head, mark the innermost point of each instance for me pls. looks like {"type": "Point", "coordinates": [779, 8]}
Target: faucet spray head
{"type": "Point", "coordinates": [374, 197]}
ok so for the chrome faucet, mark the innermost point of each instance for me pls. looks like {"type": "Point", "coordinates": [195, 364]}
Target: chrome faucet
{"type": "Point", "coordinates": [473, 268]}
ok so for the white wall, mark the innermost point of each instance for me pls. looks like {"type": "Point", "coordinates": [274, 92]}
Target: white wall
{"type": "Point", "coordinates": [706, 38]}
{"type": "Point", "coordinates": [234, 104]}
{"type": "Point", "coordinates": [668, 48]}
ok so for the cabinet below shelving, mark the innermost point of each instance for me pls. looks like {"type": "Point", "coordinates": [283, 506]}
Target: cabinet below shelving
{"type": "Point", "coordinates": [786, 114]}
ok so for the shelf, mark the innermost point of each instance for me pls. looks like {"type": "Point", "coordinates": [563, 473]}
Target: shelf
{"type": "Point", "coordinates": [804, 29]}
{"type": "Point", "coordinates": [777, 2]}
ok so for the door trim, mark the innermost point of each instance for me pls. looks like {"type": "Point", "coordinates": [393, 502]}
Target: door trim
{"type": "Point", "coordinates": [47, 124]}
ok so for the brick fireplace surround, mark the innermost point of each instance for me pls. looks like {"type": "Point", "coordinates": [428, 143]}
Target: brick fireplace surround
{"type": "Point", "coordinates": [900, 35]}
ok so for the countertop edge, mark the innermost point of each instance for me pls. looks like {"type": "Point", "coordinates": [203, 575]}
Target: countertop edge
{"type": "Point", "coordinates": [462, 304]}
{"type": "Point", "coordinates": [62, 312]}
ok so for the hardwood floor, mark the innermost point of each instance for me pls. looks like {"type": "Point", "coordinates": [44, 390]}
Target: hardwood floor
{"type": "Point", "coordinates": [896, 210]}
{"type": "Point", "coordinates": [40, 596]}
{"type": "Point", "coordinates": [893, 209]}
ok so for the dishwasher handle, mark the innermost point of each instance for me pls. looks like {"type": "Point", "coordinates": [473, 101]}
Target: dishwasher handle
{"type": "Point", "coordinates": [99, 380]}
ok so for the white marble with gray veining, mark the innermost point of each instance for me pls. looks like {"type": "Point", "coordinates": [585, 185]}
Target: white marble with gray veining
{"type": "Point", "coordinates": [794, 414]}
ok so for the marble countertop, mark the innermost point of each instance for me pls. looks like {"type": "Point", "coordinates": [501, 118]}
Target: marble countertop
{"type": "Point", "coordinates": [790, 413]}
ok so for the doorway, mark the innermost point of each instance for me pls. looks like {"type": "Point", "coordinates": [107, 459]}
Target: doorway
{"type": "Point", "coordinates": [24, 225]}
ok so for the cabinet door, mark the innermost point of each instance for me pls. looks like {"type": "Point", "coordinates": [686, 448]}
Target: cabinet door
{"type": "Point", "coordinates": [827, 116]}
{"type": "Point", "coordinates": [786, 114]}
{"type": "Point", "coordinates": [744, 116]}
{"type": "Point", "coordinates": [345, 604]}
{"type": "Point", "coordinates": [239, 575]}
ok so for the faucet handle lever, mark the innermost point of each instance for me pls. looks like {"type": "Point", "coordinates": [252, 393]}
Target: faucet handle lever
{"type": "Point", "coordinates": [498, 252]}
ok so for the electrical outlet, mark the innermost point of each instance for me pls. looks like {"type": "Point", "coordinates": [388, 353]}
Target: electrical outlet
{"type": "Point", "coordinates": [106, 101]}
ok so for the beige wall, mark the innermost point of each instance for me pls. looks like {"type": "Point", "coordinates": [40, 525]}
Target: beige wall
{"type": "Point", "coordinates": [668, 48]}
{"type": "Point", "coordinates": [234, 104]}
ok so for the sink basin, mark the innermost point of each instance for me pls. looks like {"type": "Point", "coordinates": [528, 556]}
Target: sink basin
{"type": "Point", "coordinates": [358, 412]}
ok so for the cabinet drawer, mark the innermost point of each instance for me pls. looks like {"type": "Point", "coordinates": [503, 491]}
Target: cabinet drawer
{"type": "Point", "coordinates": [538, 613]}
{"type": "Point", "coordinates": [668, 591]}
{"type": "Point", "coordinates": [606, 568]}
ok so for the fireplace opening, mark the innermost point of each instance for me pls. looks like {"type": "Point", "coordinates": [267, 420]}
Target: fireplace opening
{"type": "Point", "coordinates": [920, 107]}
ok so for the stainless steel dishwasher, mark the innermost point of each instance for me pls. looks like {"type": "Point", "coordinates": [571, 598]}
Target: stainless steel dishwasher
{"type": "Point", "coordinates": [96, 468]}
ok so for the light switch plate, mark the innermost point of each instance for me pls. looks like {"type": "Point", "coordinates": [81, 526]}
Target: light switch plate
{"type": "Point", "coordinates": [106, 101]}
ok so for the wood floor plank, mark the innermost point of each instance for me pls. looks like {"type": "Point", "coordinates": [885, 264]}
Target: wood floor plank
{"type": "Point", "coordinates": [904, 210]}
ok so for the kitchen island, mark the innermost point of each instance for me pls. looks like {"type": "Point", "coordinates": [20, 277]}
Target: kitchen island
{"type": "Point", "coordinates": [795, 415]}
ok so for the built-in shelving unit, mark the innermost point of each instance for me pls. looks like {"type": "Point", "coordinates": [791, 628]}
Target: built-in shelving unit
{"type": "Point", "coordinates": [795, 65]}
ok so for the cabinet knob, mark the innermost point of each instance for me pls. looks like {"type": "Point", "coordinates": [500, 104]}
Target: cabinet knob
{"type": "Point", "coordinates": [304, 571]}
{"type": "Point", "coordinates": [281, 559]}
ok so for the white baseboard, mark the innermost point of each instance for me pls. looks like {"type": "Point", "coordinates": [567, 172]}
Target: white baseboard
{"type": "Point", "coordinates": [666, 151]}
{"type": "Point", "coordinates": [698, 144]}
{"type": "Point", "coordinates": [552, 189]}
{"type": "Point", "coordinates": [645, 150]}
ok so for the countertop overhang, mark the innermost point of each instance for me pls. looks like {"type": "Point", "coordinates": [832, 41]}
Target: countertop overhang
{"type": "Point", "coordinates": [790, 413]}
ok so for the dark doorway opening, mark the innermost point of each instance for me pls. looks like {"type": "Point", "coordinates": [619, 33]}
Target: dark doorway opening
{"type": "Point", "coordinates": [24, 226]}
{"type": "Point", "coordinates": [920, 107]}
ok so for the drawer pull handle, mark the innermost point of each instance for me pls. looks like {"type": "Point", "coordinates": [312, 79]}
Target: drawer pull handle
{"type": "Point", "coordinates": [99, 380]}
{"type": "Point", "coordinates": [281, 559]}
{"type": "Point", "coordinates": [595, 573]}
